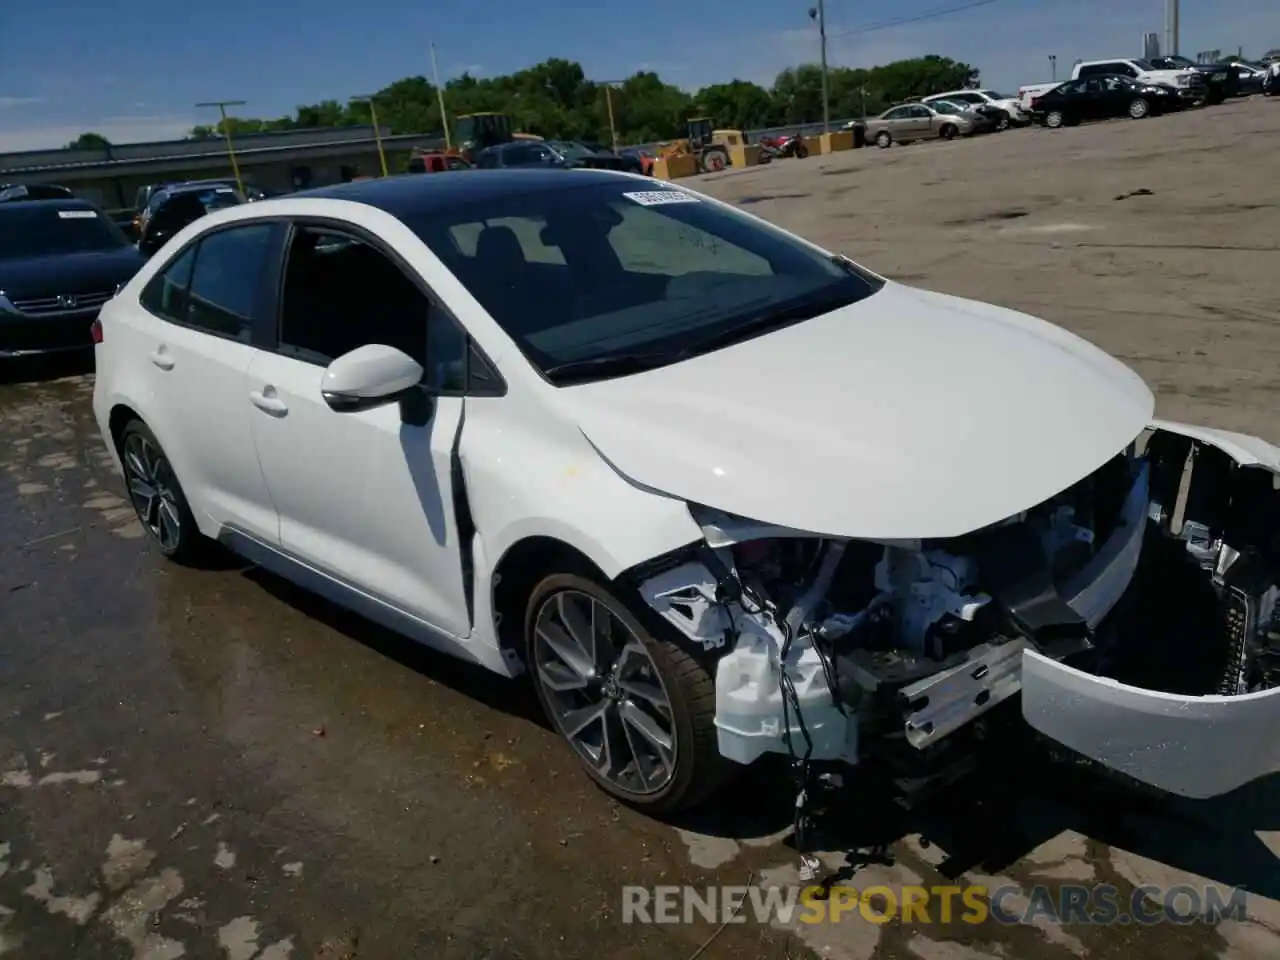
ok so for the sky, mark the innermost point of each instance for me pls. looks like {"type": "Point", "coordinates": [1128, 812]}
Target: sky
{"type": "Point", "coordinates": [134, 70]}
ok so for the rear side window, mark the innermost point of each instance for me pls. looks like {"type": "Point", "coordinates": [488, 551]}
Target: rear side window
{"type": "Point", "coordinates": [227, 278]}
{"type": "Point", "coordinates": [166, 294]}
{"type": "Point", "coordinates": [215, 283]}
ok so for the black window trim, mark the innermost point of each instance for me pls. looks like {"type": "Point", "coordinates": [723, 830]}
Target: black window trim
{"type": "Point", "coordinates": [270, 334]}
{"type": "Point", "coordinates": [262, 302]}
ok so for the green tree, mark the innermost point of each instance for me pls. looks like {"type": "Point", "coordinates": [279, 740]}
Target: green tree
{"type": "Point", "coordinates": [555, 98]}
{"type": "Point", "coordinates": [737, 105]}
{"type": "Point", "coordinates": [89, 141]}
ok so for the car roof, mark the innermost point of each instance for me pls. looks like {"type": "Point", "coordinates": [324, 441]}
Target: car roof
{"type": "Point", "coordinates": [409, 194]}
{"type": "Point", "coordinates": [53, 203]}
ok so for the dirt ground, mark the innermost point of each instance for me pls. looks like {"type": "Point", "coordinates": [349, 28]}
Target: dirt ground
{"type": "Point", "coordinates": [206, 763]}
{"type": "Point", "coordinates": [1178, 281]}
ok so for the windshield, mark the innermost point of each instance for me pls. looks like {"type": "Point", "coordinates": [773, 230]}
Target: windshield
{"type": "Point", "coordinates": [946, 106]}
{"type": "Point", "coordinates": [994, 95]}
{"type": "Point", "coordinates": [1142, 64]}
{"type": "Point", "coordinates": [44, 231]}
{"type": "Point", "coordinates": [570, 150]}
{"type": "Point", "coordinates": [583, 276]}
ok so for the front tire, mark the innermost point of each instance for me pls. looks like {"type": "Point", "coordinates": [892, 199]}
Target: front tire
{"type": "Point", "coordinates": [157, 496]}
{"type": "Point", "coordinates": [637, 709]}
{"type": "Point", "coordinates": [948, 132]}
{"type": "Point", "coordinates": [1003, 123]}
{"type": "Point", "coordinates": [884, 140]}
{"type": "Point", "coordinates": [801, 151]}
{"type": "Point", "coordinates": [1139, 109]}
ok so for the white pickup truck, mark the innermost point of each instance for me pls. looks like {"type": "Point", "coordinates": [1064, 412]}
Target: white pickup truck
{"type": "Point", "coordinates": [1189, 83]}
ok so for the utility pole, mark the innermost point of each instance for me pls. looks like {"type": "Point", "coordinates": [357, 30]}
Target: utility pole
{"type": "Point", "coordinates": [435, 78]}
{"type": "Point", "coordinates": [608, 99]}
{"type": "Point", "coordinates": [1053, 67]}
{"type": "Point", "coordinates": [226, 132]}
{"type": "Point", "coordinates": [377, 132]}
{"type": "Point", "coordinates": [819, 13]}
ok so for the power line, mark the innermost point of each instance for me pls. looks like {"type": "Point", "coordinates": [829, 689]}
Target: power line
{"type": "Point", "coordinates": [916, 18]}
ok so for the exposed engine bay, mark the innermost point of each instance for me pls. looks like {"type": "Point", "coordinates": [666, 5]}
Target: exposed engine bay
{"type": "Point", "coordinates": [1160, 570]}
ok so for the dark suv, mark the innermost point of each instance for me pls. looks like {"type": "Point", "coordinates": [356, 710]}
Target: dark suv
{"type": "Point", "coordinates": [551, 153]}
{"type": "Point", "coordinates": [60, 261]}
{"type": "Point", "coordinates": [172, 208]}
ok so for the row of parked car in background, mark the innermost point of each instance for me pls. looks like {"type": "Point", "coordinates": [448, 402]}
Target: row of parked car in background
{"type": "Point", "coordinates": [1096, 90]}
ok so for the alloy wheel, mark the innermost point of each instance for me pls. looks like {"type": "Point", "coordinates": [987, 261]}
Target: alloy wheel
{"type": "Point", "coordinates": [1138, 109]}
{"type": "Point", "coordinates": [1054, 119]}
{"type": "Point", "coordinates": [605, 693]}
{"type": "Point", "coordinates": [151, 488]}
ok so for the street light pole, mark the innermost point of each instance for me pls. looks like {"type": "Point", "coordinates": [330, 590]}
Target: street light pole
{"type": "Point", "coordinates": [1053, 67]}
{"type": "Point", "coordinates": [608, 99]}
{"type": "Point", "coordinates": [226, 132]}
{"type": "Point", "coordinates": [819, 13]}
{"type": "Point", "coordinates": [435, 77]}
{"type": "Point", "coordinates": [377, 132]}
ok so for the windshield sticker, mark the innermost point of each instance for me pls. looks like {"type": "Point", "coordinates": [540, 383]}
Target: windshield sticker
{"type": "Point", "coordinates": [652, 198]}
{"type": "Point", "coordinates": [77, 214]}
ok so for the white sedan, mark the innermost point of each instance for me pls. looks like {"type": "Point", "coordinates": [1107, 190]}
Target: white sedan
{"type": "Point", "coordinates": [719, 492]}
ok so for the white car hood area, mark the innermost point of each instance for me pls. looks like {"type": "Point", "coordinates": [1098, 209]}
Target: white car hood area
{"type": "Point", "coordinates": [907, 415]}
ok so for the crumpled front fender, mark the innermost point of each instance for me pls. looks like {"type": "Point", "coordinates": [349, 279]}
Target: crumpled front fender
{"type": "Point", "coordinates": [1193, 746]}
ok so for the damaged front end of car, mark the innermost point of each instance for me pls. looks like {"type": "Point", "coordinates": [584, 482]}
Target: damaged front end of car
{"type": "Point", "coordinates": [1136, 613]}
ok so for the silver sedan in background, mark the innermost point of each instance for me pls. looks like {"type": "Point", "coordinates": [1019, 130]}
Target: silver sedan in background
{"type": "Point", "coordinates": [908, 122]}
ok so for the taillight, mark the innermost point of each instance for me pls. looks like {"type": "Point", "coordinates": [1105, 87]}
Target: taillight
{"type": "Point", "coordinates": [95, 330]}
{"type": "Point", "coordinates": [1035, 102]}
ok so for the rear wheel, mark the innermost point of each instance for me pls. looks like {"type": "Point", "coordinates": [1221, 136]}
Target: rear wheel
{"type": "Point", "coordinates": [801, 151]}
{"type": "Point", "coordinates": [157, 495]}
{"type": "Point", "coordinates": [638, 710]}
{"type": "Point", "coordinates": [1139, 108]}
{"type": "Point", "coordinates": [884, 140]}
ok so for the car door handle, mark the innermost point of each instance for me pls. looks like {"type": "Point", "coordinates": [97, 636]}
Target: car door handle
{"type": "Point", "coordinates": [267, 401]}
{"type": "Point", "coordinates": [162, 359]}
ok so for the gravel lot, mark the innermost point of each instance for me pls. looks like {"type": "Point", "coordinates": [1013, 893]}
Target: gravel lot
{"type": "Point", "coordinates": [209, 764]}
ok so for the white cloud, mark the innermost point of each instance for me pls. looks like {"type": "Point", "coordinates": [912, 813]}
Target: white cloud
{"type": "Point", "coordinates": [125, 129]}
{"type": "Point", "coordinates": [7, 102]}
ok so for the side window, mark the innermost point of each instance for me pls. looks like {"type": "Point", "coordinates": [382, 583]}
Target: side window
{"type": "Point", "coordinates": [1092, 70]}
{"type": "Point", "coordinates": [897, 113]}
{"type": "Point", "coordinates": [1125, 70]}
{"type": "Point", "coordinates": [341, 293]}
{"type": "Point", "coordinates": [921, 113]}
{"type": "Point", "coordinates": [650, 242]}
{"type": "Point", "coordinates": [457, 163]}
{"type": "Point", "coordinates": [227, 280]}
{"type": "Point", "coordinates": [165, 295]}
{"type": "Point", "coordinates": [520, 156]}
{"type": "Point", "coordinates": [487, 161]}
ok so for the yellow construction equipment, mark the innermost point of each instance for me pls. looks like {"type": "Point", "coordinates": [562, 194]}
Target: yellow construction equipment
{"type": "Point", "coordinates": [475, 131]}
{"type": "Point", "coordinates": [710, 147]}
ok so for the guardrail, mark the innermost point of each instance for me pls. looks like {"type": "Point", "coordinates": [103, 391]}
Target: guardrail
{"type": "Point", "coordinates": [753, 136]}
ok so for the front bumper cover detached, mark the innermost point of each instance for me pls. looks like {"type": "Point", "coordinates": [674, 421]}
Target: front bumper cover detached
{"type": "Point", "coordinates": [1192, 746]}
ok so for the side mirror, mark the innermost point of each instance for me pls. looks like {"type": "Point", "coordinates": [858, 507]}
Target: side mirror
{"type": "Point", "coordinates": [370, 376]}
